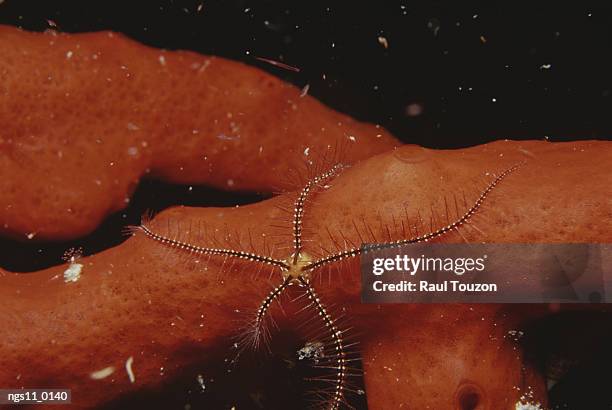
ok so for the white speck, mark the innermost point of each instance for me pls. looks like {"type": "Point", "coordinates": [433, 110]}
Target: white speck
{"type": "Point", "coordinates": [307, 151]}
{"type": "Point", "coordinates": [528, 406]}
{"type": "Point", "coordinates": [200, 380]}
{"type": "Point", "coordinates": [305, 91]}
{"type": "Point", "coordinates": [228, 137]}
{"type": "Point", "coordinates": [162, 60]}
{"type": "Point", "coordinates": [73, 273]}
{"type": "Point", "coordinates": [475, 16]}
{"type": "Point", "coordinates": [314, 351]}
{"type": "Point", "coordinates": [132, 127]}
{"type": "Point", "coordinates": [69, 54]}
{"type": "Point", "coordinates": [494, 99]}
{"type": "Point", "coordinates": [352, 138]}
{"type": "Point", "coordinates": [383, 41]}
{"type": "Point", "coordinates": [128, 369]}
{"type": "Point", "coordinates": [102, 374]}
{"type": "Point", "coordinates": [31, 235]}
{"type": "Point", "coordinates": [545, 66]}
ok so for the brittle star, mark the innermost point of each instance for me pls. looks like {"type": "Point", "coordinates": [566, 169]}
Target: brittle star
{"type": "Point", "coordinates": [299, 268]}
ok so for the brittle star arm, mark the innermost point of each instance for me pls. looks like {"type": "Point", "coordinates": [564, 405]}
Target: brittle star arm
{"type": "Point", "coordinates": [298, 209]}
{"type": "Point", "coordinates": [259, 333]}
{"type": "Point", "coordinates": [352, 252]}
{"type": "Point", "coordinates": [199, 250]}
{"type": "Point", "coordinates": [335, 335]}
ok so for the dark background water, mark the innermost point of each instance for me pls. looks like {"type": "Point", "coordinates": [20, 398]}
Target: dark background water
{"type": "Point", "coordinates": [432, 73]}
{"type": "Point", "coordinates": [479, 72]}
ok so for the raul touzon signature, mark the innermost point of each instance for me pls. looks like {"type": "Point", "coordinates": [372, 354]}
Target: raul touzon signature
{"type": "Point", "coordinates": [425, 286]}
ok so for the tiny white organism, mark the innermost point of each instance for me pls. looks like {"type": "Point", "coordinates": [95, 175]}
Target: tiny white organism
{"type": "Point", "coordinates": [312, 351]}
{"type": "Point", "coordinates": [200, 380]}
{"type": "Point", "coordinates": [73, 273]}
{"type": "Point", "coordinates": [128, 369]}
{"type": "Point", "coordinates": [102, 373]}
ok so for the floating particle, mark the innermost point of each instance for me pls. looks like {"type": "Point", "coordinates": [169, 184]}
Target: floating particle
{"type": "Point", "coordinates": [278, 64]}
{"type": "Point", "coordinates": [514, 335]}
{"type": "Point", "coordinates": [200, 380]}
{"type": "Point", "coordinates": [200, 7]}
{"type": "Point", "coordinates": [352, 138]}
{"type": "Point", "coordinates": [383, 42]}
{"type": "Point", "coordinates": [434, 25]}
{"type": "Point", "coordinates": [162, 60]}
{"type": "Point", "coordinates": [230, 182]}
{"type": "Point", "coordinates": [128, 369]}
{"type": "Point", "coordinates": [31, 235]}
{"type": "Point", "coordinates": [545, 66]}
{"type": "Point", "coordinates": [483, 39]}
{"type": "Point", "coordinates": [132, 127]}
{"type": "Point", "coordinates": [307, 151]}
{"type": "Point", "coordinates": [494, 99]}
{"type": "Point", "coordinates": [102, 374]}
{"type": "Point", "coordinates": [414, 109]}
{"type": "Point", "coordinates": [69, 54]}
{"type": "Point", "coordinates": [305, 90]}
